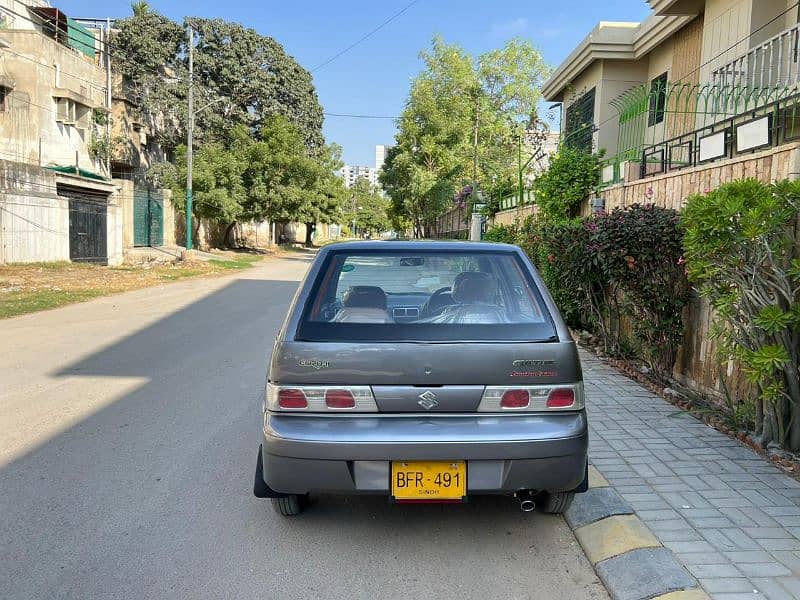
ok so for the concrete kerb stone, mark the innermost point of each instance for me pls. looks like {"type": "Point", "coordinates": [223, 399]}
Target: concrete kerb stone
{"type": "Point", "coordinates": [628, 558]}
{"type": "Point", "coordinates": [684, 595]}
{"type": "Point", "coordinates": [613, 536]}
{"type": "Point", "coordinates": [644, 573]}
{"type": "Point", "coordinates": [596, 480]}
{"type": "Point", "coordinates": [597, 503]}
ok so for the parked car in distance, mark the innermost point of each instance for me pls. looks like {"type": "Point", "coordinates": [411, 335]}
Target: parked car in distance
{"type": "Point", "coordinates": [425, 372]}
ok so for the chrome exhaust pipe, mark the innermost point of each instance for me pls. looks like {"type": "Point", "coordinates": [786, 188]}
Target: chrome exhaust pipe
{"type": "Point", "coordinates": [526, 503]}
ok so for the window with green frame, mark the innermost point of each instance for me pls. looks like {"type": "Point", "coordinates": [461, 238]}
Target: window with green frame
{"type": "Point", "coordinates": [579, 122]}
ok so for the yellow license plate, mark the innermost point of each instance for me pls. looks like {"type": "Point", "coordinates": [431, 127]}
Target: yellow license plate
{"type": "Point", "coordinates": [427, 480]}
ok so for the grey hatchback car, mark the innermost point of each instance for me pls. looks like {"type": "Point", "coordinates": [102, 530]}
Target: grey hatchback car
{"type": "Point", "coordinates": [425, 372]}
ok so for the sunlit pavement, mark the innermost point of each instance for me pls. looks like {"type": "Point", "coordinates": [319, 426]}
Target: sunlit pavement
{"type": "Point", "coordinates": [129, 436]}
{"type": "Point", "coordinates": [731, 518]}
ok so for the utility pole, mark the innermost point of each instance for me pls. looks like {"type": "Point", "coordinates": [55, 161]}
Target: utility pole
{"type": "Point", "coordinates": [108, 95]}
{"type": "Point", "coordinates": [190, 141]}
{"type": "Point", "coordinates": [521, 187]}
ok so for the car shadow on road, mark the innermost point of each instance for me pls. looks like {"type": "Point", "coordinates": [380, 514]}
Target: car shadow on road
{"type": "Point", "coordinates": [134, 466]}
{"type": "Point", "coordinates": [151, 495]}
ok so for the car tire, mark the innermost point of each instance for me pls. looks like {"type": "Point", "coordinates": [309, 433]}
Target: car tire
{"type": "Point", "coordinates": [290, 506]}
{"type": "Point", "coordinates": [555, 503]}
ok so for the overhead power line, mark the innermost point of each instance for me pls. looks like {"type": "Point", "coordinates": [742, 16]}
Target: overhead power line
{"type": "Point", "coordinates": [352, 116]}
{"type": "Point", "coordinates": [366, 37]}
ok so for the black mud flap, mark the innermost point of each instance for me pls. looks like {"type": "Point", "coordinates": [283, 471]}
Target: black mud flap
{"type": "Point", "coordinates": [261, 489]}
{"type": "Point", "coordinates": [584, 486]}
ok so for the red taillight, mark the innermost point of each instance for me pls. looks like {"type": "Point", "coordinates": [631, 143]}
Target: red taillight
{"type": "Point", "coordinates": [289, 398]}
{"type": "Point", "coordinates": [339, 399]}
{"type": "Point", "coordinates": [515, 399]}
{"type": "Point", "coordinates": [561, 398]}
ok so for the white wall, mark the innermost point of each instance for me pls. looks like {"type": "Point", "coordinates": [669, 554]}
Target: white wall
{"type": "Point", "coordinates": [114, 234]}
{"type": "Point", "coordinates": [33, 228]}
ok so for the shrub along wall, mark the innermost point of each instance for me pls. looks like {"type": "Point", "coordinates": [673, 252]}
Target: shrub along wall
{"type": "Point", "coordinates": [623, 276]}
{"type": "Point", "coordinates": [697, 364]}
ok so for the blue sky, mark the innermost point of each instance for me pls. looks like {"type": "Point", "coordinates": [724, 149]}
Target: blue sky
{"type": "Point", "coordinates": [373, 78]}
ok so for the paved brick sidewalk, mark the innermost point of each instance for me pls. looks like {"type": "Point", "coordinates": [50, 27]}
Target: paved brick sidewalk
{"type": "Point", "coordinates": [731, 517]}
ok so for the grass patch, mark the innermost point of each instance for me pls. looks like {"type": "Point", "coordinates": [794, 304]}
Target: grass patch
{"type": "Point", "coordinates": [176, 274]}
{"type": "Point", "coordinates": [242, 261]}
{"type": "Point", "coordinates": [28, 288]}
{"type": "Point", "coordinates": [23, 302]}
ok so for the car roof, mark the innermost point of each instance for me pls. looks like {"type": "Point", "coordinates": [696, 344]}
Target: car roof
{"type": "Point", "coordinates": [417, 245]}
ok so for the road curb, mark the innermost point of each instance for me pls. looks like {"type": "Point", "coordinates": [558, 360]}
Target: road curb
{"type": "Point", "coordinates": [628, 558]}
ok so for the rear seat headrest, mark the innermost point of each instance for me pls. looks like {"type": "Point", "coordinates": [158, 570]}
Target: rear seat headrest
{"type": "Point", "coordinates": [365, 296]}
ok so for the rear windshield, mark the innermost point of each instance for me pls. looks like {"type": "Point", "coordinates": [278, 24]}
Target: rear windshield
{"type": "Point", "coordinates": [425, 296]}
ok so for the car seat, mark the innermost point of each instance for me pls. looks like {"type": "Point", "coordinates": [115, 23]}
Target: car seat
{"type": "Point", "coordinates": [363, 304]}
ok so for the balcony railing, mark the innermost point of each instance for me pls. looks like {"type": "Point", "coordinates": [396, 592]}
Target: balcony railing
{"type": "Point", "coordinates": [774, 63]}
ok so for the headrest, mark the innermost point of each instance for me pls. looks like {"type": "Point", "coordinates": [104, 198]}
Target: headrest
{"type": "Point", "coordinates": [365, 296]}
{"type": "Point", "coordinates": [474, 286]}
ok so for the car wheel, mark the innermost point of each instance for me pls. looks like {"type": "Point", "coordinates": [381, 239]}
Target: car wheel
{"type": "Point", "coordinates": [555, 503]}
{"type": "Point", "coordinates": [289, 506]}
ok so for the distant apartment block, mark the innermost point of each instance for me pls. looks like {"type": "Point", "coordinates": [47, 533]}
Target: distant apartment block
{"type": "Point", "coordinates": [380, 156]}
{"type": "Point", "coordinates": [352, 173]}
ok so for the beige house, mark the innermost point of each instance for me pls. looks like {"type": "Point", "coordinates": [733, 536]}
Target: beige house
{"type": "Point", "coordinates": [52, 88]}
{"type": "Point", "coordinates": [60, 196]}
{"type": "Point", "coordinates": [701, 93]}
{"type": "Point", "coordinates": [698, 83]}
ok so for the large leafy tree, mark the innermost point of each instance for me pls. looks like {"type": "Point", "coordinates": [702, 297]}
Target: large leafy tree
{"type": "Point", "coordinates": [251, 77]}
{"type": "Point", "coordinates": [241, 77]}
{"type": "Point", "coordinates": [287, 183]}
{"type": "Point", "coordinates": [147, 50]}
{"type": "Point", "coordinates": [460, 126]}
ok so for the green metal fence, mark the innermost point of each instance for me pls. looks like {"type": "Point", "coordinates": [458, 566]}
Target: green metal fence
{"type": "Point", "coordinates": [651, 114]}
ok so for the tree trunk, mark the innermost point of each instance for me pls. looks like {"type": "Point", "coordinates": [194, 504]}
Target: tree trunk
{"type": "Point", "coordinates": [232, 236]}
{"type": "Point", "coordinates": [793, 389]}
{"type": "Point", "coordinates": [310, 228]}
{"type": "Point", "coordinates": [196, 234]}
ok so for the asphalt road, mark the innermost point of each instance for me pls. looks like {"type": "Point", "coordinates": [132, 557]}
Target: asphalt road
{"type": "Point", "coordinates": [128, 434]}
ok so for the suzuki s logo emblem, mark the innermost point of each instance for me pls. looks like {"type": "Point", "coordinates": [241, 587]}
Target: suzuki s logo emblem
{"type": "Point", "coordinates": [427, 400]}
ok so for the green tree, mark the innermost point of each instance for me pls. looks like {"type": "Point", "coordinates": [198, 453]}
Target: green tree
{"type": "Point", "coordinates": [252, 78]}
{"type": "Point", "coordinates": [240, 75]}
{"type": "Point", "coordinates": [367, 208]}
{"type": "Point", "coordinates": [219, 191]}
{"type": "Point", "coordinates": [459, 126]}
{"type": "Point", "coordinates": [326, 191]}
{"type": "Point", "coordinates": [569, 179]}
{"type": "Point", "coordinates": [742, 252]}
{"type": "Point", "coordinates": [146, 50]}
{"type": "Point", "coordinates": [285, 182]}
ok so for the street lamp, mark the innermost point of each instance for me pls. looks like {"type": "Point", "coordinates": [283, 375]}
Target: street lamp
{"type": "Point", "coordinates": [190, 138]}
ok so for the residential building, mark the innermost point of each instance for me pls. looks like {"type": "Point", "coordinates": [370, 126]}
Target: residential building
{"type": "Point", "coordinates": [548, 147]}
{"type": "Point", "coordinates": [53, 88]}
{"type": "Point", "coordinates": [699, 83]}
{"type": "Point", "coordinates": [352, 173]}
{"type": "Point", "coordinates": [380, 156]}
{"type": "Point", "coordinates": [700, 93]}
{"type": "Point", "coordinates": [57, 197]}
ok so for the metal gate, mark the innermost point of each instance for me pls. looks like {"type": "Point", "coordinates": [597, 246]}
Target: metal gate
{"type": "Point", "coordinates": [148, 217]}
{"type": "Point", "coordinates": [88, 223]}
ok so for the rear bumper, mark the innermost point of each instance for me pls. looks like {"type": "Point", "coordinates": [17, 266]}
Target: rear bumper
{"type": "Point", "coordinates": [504, 453]}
